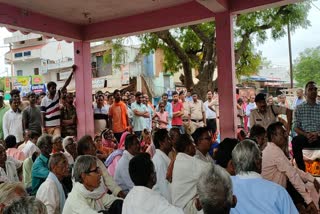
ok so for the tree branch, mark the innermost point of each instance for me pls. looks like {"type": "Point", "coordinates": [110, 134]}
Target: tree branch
{"type": "Point", "coordinates": [204, 38]}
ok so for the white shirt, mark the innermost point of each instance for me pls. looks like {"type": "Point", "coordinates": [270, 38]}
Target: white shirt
{"type": "Point", "coordinates": [206, 158]}
{"type": "Point", "coordinates": [121, 175]}
{"type": "Point", "coordinates": [142, 200]}
{"type": "Point", "coordinates": [10, 175]}
{"type": "Point", "coordinates": [29, 149]}
{"type": "Point", "coordinates": [249, 108]}
{"type": "Point", "coordinates": [209, 113]}
{"type": "Point", "coordinates": [12, 125]}
{"type": "Point", "coordinates": [49, 195]}
{"type": "Point", "coordinates": [161, 162]}
{"type": "Point", "coordinates": [186, 172]}
{"type": "Point", "coordinates": [69, 158]}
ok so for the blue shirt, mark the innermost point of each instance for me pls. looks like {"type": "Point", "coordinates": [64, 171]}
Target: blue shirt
{"type": "Point", "coordinates": [40, 172]}
{"type": "Point", "coordinates": [257, 195]}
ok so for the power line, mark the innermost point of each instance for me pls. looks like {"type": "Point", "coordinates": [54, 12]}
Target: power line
{"type": "Point", "coordinates": [315, 6]}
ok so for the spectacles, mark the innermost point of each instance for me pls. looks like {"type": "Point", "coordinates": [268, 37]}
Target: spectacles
{"type": "Point", "coordinates": [96, 170]}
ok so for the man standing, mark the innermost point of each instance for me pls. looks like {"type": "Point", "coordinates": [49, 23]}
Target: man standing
{"type": "Point", "coordinates": [177, 112]}
{"type": "Point", "coordinates": [100, 113]}
{"type": "Point", "coordinates": [299, 99]}
{"type": "Point", "coordinates": [118, 117]}
{"type": "Point", "coordinates": [150, 111]}
{"type": "Point", "coordinates": [251, 105]}
{"type": "Point", "coordinates": [50, 108]}
{"type": "Point", "coordinates": [140, 112]}
{"type": "Point", "coordinates": [307, 124]}
{"type": "Point", "coordinates": [185, 116]}
{"type": "Point", "coordinates": [12, 121]}
{"type": "Point", "coordinates": [3, 110]}
{"type": "Point", "coordinates": [31, 116]}
{"type": "Point", "coordinates": [265, 115]}
{"type": "Point", "coordinates": [68, 117]}
{"type": "Point", "coordinates": [211, 113]}
{"type": "Point", "coordinates": [197, 113]}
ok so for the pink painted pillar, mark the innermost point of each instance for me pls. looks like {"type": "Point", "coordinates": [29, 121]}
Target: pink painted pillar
{"type": "Point", "coordinates": [83, 76]}
{"type": "Point", "coordinates": [226, 74]}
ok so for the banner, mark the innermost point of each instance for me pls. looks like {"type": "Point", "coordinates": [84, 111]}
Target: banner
{"type": "Point", "coordinates": [38, 88]}
{"type": "Point", "coordinates": [36, 79]}
{"type": "Point", "coordinates": [21, 81]}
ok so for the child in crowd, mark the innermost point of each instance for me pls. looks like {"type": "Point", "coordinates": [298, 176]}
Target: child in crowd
{"type": "Point", "coordinates": [162, 117]}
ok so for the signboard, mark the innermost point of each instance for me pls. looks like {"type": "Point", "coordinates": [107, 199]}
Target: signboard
{"type": "Point", "coordinates": [38, 88]}
{"type": "Point", "coordinates": [64, 75]}
{"type": "Point", "coordinates": [21, 81]}
{"type": "Point", "coordinates": [36, 79]}
{"type": "Point", "coordinates": [98, 83]}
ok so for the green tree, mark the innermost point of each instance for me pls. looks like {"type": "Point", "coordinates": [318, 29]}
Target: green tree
{"type": "Point", "coordinates": [193, 47]}
{"type": "Point", "coordinates": [307, 66]}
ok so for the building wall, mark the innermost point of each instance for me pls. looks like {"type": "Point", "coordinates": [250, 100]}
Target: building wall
{"type": "Point", "coordinates": [57, 50]}
{"type": "Point", "coordinates": [27, 67]}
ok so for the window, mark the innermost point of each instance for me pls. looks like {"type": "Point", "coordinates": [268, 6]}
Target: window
{"type": "Point", "coordinates": [19, 73]}
{"type": "Point", "coordinates": [17, 55]}
{"type": "Point", "coordinates": [27, 53]}
{"type": "Point", "coordinates": [36, 71]}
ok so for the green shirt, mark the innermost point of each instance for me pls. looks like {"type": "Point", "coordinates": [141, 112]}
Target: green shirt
{"type": "Point", "coordinates": [3, 110]}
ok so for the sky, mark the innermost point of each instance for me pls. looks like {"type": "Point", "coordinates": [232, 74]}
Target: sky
{"type": "Point", "coordinates": [277, 51]}
{"type": "Point", "coordinates": [274, 51]}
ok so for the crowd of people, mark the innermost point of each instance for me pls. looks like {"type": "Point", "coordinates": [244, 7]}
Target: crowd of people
{"type": "Point", "coordinates": [156, 159]}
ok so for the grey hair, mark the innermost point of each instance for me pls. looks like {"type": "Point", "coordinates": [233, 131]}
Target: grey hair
{"type": "Point", "coordinates": [246, 156]}
{"type": "Point", "coordinates": [8, 192]}
{"type": "Point", "coordinates": [215, 190]}
{"type": "Point", "coordinates": [82, 164]}
{"type": "Point", "coordinates": [43, 140]}
{"type": "Point", "coordinates": [26, 205]}
{"type": "Point", "coordinates": [55, 159]}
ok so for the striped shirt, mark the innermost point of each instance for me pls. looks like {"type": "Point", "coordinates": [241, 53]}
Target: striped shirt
{"type": "Point", "coordinates": [51, 110]}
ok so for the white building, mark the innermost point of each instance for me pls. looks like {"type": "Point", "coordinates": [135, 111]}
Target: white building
{"type": "Point", "coordinates": [34, 54]}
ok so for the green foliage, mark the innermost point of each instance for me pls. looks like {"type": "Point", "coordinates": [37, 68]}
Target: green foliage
{"type": "Point", "coordinates": [118, 53]}
{"type": "Point", "coordinates": [307, 66]}
{"type": "Point", "coordinates": [248, 28]}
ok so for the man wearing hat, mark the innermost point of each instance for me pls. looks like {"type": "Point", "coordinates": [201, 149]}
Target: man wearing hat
{"type": "Point", "coordinates": [265, 114]}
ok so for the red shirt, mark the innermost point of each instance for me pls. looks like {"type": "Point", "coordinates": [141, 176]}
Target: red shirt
{"type": "Point", "coordinates": [177, 121]}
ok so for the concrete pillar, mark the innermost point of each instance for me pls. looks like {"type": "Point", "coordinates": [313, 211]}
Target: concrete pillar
{"type": "Point", "coordinates": [83, 78]}
{"type": "Point", "coordinates": [226, 74]}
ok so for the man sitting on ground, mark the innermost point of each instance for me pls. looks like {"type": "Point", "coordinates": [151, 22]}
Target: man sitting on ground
{"type": "Point", "coordinates": [276, 167]}
{"type": "Point", "coordinates": [161, 162]}
{"type": "Point", "coordinates": [51, 191]}
{"type": "Point", "coordinates": [143, 175]}
{"type": "Point", "coordinates": [215, 191]}
{"type": "Point", "coordinates": [255, 194]}
{"type": "Point", "coordinates": [186, 172]}
{"type": "Point", "coordinates": [203, 139]}
{"type": "Point", "coordinates": [223, 156]}
{"type": "Point", "coordinates": [121, 175]}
